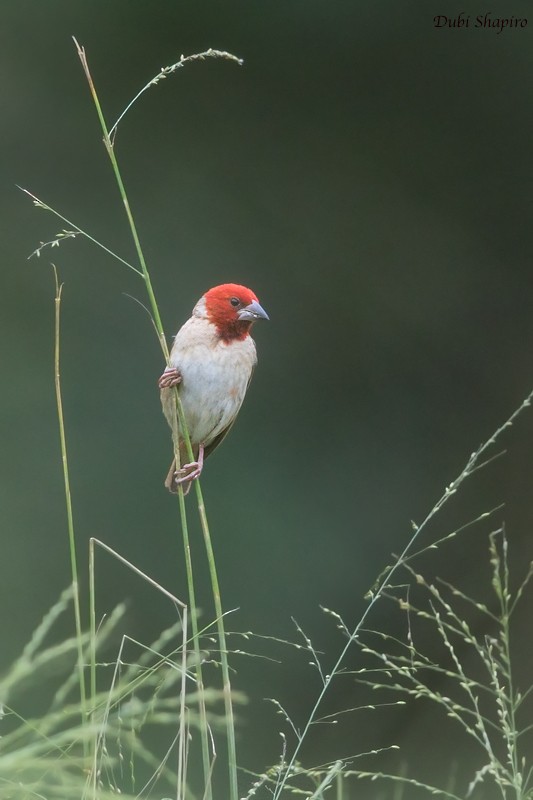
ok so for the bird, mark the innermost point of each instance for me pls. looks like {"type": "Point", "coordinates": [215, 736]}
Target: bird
{"type": "Point", "coordinates": [212, 360]}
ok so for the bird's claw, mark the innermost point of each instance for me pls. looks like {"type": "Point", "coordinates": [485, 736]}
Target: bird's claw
{"type": "Point", "coordinates": [171, 377]}
{"type": "Point", "coordinates": [188, 473]}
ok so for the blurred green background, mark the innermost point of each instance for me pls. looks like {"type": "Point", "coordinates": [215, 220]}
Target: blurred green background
{"type": "Point", "coordinates": [370, 177]}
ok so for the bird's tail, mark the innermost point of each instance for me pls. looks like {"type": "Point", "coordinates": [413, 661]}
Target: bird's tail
{"type": "Point", "coordinates": [169, 480]}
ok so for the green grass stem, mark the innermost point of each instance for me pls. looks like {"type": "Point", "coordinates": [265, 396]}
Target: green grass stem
{"type": "Point", "coordinates": [68, 502]}
{"type": "Point", "coordinates": [183, 610]}
{"type": "Point", "coordinates": [477, 460]}
{"type": "Point", "coordinates": [163, 343]}
{"type": "Point", "coordinates": [207, 765]}
{"type": "Point", "coordinates": [226, 682]}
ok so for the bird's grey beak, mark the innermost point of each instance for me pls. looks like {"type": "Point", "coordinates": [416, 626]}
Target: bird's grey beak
{"type": "Point", "coordinates": [252, 312]}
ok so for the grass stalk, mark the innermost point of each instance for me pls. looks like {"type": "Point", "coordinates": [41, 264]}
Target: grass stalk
{"type": "Point", "coordinates": [206, 757]}
{"type": "Point", "coordinates": [204, 730]}
{"type": "Point", "coordinates": [72, 233]}
{"type": "Point", "coordinates": [133, 228]}
{"type": "Point", "coordinates": [483, 702]}
{"type": "Point", "coordinates": [109, 145]}
{"type": "Point", "coordinates": [68, 503]}
{"type": "Point", "coordinates": [183, 611]}
{"type": "Point", "coordinates": [477, 460]}
{"type": "Point", "coordinates": [92, 654]}
{"type": "Point", "coordinates": [228, 704]}
{"type": "Point", "coordinates": [507, 697]}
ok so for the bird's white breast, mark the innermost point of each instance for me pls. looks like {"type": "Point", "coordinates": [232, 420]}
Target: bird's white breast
{"type": "Point", "coordinates": [215, 376]}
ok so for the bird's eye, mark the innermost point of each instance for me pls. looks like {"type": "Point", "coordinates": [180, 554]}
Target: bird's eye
{"type": "Point", "coordinates": [235, 302]}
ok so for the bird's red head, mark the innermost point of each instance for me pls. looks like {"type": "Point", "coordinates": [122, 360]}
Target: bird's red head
{"type": "Point", "coordinates": [233, 309]}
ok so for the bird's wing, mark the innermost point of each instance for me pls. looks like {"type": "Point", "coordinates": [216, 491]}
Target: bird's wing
{"type": "Point", "coordinates": [216, 441]}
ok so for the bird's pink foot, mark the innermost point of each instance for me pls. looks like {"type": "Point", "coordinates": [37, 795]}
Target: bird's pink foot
{"type": "Point", "coordinates": [187, 474]}
{"type": "Point", "coordinates": [171, 377]}
{"type": "Point", "coordinates": [190, 472]}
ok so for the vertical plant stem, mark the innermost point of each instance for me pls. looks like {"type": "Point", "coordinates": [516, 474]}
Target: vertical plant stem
{"type": "Point", "coordinates": [68, 502]}
{"type": "Point", "coordinates": [228, 704]}
{"type": "Point", "coordinates": [511, 733]}
{"type": "Point", "coordinates": [92, 656]}
{"type": "Point", "coordinates": [338, 787]}
{"type": "Point", "coordinates": [206, 759]}
{"type": "Point", "coordinates": [111, 153]}
{"type": "Point", "coordinates": [179, 410]}
{"type": "Point", "coordinates": [92, 620]}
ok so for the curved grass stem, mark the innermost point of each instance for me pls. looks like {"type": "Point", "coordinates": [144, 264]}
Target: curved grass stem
{"type": "Point", "coordinates": [181, 422]}
{"type": "Point", "coordinates": [475, 462]}
{"type": "Point", "coordinates": [68, 502]}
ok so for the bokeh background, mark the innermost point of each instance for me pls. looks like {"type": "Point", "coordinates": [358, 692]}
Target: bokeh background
{"type": "Point", "coordinates": [370, 177]}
